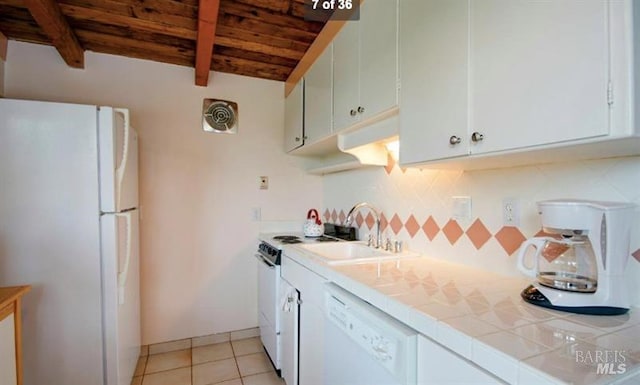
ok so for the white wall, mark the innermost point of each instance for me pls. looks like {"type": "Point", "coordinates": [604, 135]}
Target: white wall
{"type": "Point", "coordinates": [196, 189]}
{"type": "Point", "coordinates": [1, 77]}
{"type": "Point", "coordinates": [3, 57]}
{"type": "Point", "coordinates": [425, 193]}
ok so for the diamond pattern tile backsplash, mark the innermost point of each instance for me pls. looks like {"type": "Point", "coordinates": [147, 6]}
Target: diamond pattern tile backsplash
{"type": "Point", "coordinates": [417, 206]}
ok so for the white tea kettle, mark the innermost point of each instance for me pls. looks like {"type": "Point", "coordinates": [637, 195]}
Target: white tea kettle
{"type": "Point", "coordinates": [313, 227]}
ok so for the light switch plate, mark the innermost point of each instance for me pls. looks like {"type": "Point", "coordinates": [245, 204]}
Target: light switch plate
{"type": "Point", "coordinates": [256, 214]}
{"type": "Point", "coordinates": [461, 207]}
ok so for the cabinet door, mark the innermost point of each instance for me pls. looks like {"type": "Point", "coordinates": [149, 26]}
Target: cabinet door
{"type": "Point", "coordinates": [311, 342]}
{"type": "Point", "coordinates": [318, 98]}
{"type": "Point", "coordinates": [378, 57]}
{"type": "Point", "coordinates": [7, 352]}
{"type": "Point", "coordinates": [433, 68]}
{"type": "Point", "coordinates": [440, 366]}
{"type": "Point", "coordinates": [289, 333]}
{"type": "Point", "coordinates": [539, 71]}
{"type": "Point", "coordinates": [294, 118]}
{"type": "Point", "coordinates": [311, 326]}
{"type": "Point", "coordinates": [346, 76]}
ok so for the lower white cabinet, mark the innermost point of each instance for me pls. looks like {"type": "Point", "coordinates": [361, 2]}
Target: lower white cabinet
{"type": "Point", "coordinates": [311, 321]}
{"type": "Point", "coordinates": [289, 333]}
{"type": "Point", "coordinates": [438, 365]}
{"type": "Point", "coordinates": [7, 352]}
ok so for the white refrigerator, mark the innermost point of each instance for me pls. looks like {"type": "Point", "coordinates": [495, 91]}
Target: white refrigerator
{"type": "Point", "coordinates": [69, 228]}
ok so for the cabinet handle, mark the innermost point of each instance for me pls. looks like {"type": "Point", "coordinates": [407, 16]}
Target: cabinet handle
{"type": "Point", "coordinates": [360, 109]}
{"type": "Point", "coordinates": [297, 138]}
{"type": "Point", "coordinates": [353, 112]}
{"type": "Point", "coordinates": [453, 140]}
{"type": "Point", "coordinates": [305, 137]}
{"type": "Point", "coordinates": [477, 137]}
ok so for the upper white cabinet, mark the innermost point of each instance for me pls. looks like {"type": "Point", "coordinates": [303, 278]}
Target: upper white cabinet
{"type": "Point", "coordinates": [318, 98]}
{"type": "Point", "coordinates": [365, 77]}
{"type": "Point", "coordinates": [539, 72]}
{"type": "Point", "coordinates": [497, 77]}
{"type": "Point", "coordinates": [434, 71]}
{"type": "Point", "coordinates": [294, 118]}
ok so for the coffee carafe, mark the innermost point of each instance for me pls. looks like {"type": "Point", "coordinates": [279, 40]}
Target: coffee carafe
{"type": "Point", "coordinates": [579, 259]}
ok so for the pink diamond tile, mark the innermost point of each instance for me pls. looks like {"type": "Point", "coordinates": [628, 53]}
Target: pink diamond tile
{"type": "Point", "coordinates": [390, 163]}
{"type": "Point", "coordinates": [412, 226]}
{"type": "Point", "coordinates": [359, 220]}
{"type": "Point", "coordinates": [326, 215]}
{"type": "Point", "coordinates": [383, 222]}
{"type": "Point", "coordinates": [430, 228]}
{"type": "Point", "coordinates": [478, 234]}
{"type": "Point", "coordinates": [510, 238]}
{"type": "Point", "coordinates": [342, 216]}
{"type": "Point", "coordinates": [370, 221]}
{"type": "Point", "coordinates": [636, 255]}
{"type": "Point", "coordinates": [452, 231]}
{"type": "Point", "coordinates": [334, 216]}
{"type": "Point", "coordinates": [396, 224]}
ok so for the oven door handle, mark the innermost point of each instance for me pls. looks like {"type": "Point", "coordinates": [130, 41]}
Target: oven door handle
{"type": "Point", "coordinates": [267, 262]}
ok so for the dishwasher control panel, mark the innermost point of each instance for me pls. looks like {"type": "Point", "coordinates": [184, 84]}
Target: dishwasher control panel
{"type": "Point", "coordinates": [387, 340]}
{"type": "Point", "coordinates": [381, 347]}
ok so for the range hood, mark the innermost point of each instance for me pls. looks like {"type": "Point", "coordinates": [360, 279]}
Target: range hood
{"type": "Point", "coordinates": [362, 145]}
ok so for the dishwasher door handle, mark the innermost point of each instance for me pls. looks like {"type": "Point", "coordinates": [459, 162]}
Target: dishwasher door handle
{"type": "Point", "coordinates": [267, 262]}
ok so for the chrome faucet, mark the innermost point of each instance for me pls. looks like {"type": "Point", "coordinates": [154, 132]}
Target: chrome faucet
{"type": "Point", "coordinates": [376, 214]}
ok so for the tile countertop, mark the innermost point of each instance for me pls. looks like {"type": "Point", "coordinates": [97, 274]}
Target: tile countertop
{"type": "Point", "coordinates": [480, 316]}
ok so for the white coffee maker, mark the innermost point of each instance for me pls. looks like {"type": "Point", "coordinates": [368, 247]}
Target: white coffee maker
{"type": "Point", "coordinates": [579, 262]}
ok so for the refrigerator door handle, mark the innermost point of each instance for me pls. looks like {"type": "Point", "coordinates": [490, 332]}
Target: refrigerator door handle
{"type": "Point", "coordinates": [122, 275]}
{"type": "Point", "coordinates": [125, 154]}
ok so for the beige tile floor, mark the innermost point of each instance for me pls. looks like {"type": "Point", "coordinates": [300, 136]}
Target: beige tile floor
{"type": "Point", "coordinates": [237, 362]}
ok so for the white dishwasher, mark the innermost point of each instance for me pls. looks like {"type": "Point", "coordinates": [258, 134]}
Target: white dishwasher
{"type": "Point", "coordinates": [364, 346]}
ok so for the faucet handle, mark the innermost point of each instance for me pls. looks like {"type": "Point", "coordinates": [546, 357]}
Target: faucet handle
{"type": "Point", "coordinates": [387, 245]}
{"type": "Point", "coordinates": [398, 247]}
{"type": "Point", "coordinates": [370, 240]}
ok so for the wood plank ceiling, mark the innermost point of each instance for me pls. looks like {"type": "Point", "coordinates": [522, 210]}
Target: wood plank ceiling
{"type": "Point", "coordinates": [257, 38]}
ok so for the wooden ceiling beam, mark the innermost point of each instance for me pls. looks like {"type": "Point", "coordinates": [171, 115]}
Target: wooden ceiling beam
{"type": "Point", "coordinates": [48, 15]}
{"type": "Point", "coordinates": [207, 21]}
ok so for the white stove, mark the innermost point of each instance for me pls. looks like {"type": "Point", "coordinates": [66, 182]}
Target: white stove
{"type": "Point", "coordinates": [269, 293]}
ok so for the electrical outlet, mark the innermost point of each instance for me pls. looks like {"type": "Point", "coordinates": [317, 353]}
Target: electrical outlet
{"type": "Point", "coordinates": [510, 212]}
{"type": "Point", "coordinates": [264, 183]}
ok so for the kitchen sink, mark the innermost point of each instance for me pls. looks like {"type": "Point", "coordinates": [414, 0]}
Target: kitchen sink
{"type": "Point", "coordinates": [351, 252]}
